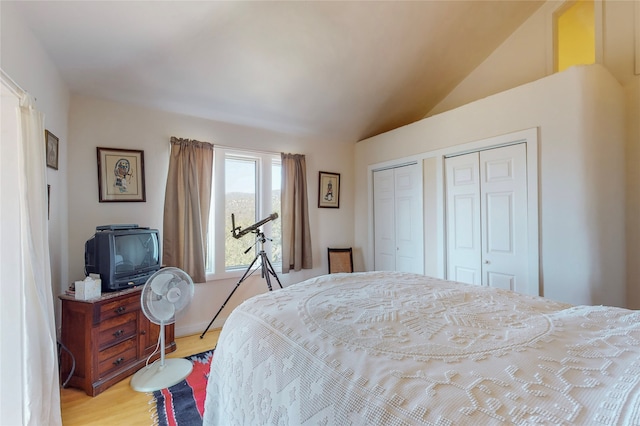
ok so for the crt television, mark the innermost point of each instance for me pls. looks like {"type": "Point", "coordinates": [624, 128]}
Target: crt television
{"type": "Point", "coordinates": [123, 255]}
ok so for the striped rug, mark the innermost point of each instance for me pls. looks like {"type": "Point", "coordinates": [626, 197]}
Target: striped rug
{"type": "Point", "coordinates": [183, 404]}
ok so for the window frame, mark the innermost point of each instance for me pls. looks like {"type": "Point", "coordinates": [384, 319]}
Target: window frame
{"type": "Point", "coordinates": [217, 231]}
{"type": "Point", "coordinates": [552, 33]}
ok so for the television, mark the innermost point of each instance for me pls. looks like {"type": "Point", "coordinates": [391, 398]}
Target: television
{"type": "Point", "coordinates": [123, 255]}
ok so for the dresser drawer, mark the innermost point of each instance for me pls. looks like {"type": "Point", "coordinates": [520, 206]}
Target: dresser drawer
{"type": "Point", "coordinates": [108, 339]}
{"type": "Point", "coordinates": [117, 356]}
{"type": "Point", "coordinates": [117, 329]}
{"type": "Point", "coordinates": [119, 307]}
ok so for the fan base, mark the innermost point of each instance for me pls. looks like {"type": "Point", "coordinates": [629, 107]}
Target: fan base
{"type": "Point", "coordinates": [155, 376]}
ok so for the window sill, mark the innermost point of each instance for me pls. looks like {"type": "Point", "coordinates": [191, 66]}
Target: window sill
{"type": "Point", "coordinates": [237, 273]}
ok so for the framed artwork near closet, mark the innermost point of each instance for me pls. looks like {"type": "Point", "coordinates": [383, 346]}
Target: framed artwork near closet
{"type": "Point", "coordinates": [329, 190]}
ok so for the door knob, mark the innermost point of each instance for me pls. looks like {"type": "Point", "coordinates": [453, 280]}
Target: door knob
{"type": "Point", "coordinates": [486, 262]}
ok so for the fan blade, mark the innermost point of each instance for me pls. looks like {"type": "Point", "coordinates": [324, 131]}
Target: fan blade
{"type": "Point", "coordinates": [162, 309]}
{"type": "Point", "coordinates": [186, 294]}
{"type": "Point", "coordinates": [173, 294]}
{"type": "Point", "coordinates": [160, 283]}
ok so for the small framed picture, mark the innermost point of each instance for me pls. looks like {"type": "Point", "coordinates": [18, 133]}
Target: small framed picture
{"type": "Point", "coordinates": [329, 190]}
{"type": "Point", "coordinates": [120, 175]}
{"type": "Point", "coordinates": [51, 147]}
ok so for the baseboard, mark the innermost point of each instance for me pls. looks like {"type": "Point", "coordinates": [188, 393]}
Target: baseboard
{"type": "Point", "coordinates": [191, 329]}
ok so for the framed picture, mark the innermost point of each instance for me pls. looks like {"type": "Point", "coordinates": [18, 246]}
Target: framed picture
{"type": "Point", "coordinates": [51, 148]}
{"type": "Point", "coordinates": [120, 175]}
{"type": "Point", "coordinates": [329, 190]}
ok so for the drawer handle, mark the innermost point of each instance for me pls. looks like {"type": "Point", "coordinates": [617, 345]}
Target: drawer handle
{"type": "Point", "coordinates": [120, 310]}
{"type": "Point", "coordinates": [118, 333]}
{"type": "Point", "coordinates": [118, 361]}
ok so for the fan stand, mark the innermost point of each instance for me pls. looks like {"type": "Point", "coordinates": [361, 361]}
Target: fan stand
{"type": "Point", "coordinates": [162, 373]}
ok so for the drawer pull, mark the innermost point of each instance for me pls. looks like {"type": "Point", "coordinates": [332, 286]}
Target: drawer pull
{"type": "Point", "coordinates": [118, 361]}
{"type": "Point", "coordinates": [118, 333]}
{"type": "Point", "coordinates": [121, 309]}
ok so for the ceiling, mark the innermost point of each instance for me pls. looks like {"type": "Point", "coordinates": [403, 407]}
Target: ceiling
{"type": "Point", "coordinates": [345, 70]}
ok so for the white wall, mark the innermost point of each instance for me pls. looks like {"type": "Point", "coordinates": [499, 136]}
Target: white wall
{"type": "Point", "coordinates": [522, 58]}
{"type": "Point", "coordinates": [26, 62]}
{"type": "Point", "coordinates": [632, 92]}
{"type": "Point", "coordinates": [95, 122]}
{"type": "Point", "coordinates": [527, 55]}
{"type": "Point", "coordinates": [619, 58]}
{"type": "Point", "coordinates": [580, 116]}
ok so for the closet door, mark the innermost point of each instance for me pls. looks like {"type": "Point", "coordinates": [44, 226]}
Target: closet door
{"type": "Point", "coordinates": [503, 189]}
{"type": "Point", "coordinates": [409, 224]}
{"type": "Point", "coordinates": [384, 220]}
{"type": "Point", "coordinates": [486, 216]}
{"type": "Point", "coordinates": [398, 219]}
{"type": "Point", "coordinates": [464, 250]}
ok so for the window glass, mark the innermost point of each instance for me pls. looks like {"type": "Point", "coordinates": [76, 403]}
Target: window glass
{"type": "Point", "coordinates": [247, 185]}
{"type": "Point", "coordinates": [241, 201]}
{"type": "Point", "coordinates": [575, 35]}
{"type": "Point", "coordinates": [276, 229]}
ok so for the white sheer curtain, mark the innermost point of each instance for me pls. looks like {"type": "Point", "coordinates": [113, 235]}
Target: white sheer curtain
{"type": "Point", "coordinates": [29, 340]}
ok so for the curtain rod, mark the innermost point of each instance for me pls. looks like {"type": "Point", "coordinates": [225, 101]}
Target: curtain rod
{"type": "Point", "coordinates": [6, 78]}
{"type": "Point", "coordinates": [233, 148]}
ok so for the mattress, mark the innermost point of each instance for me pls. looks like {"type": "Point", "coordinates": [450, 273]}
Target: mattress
{"type": "Point", "coordinates": [387, 348]}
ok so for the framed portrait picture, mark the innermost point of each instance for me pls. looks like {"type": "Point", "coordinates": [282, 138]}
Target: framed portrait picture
{"type": "Point", "coordinates": [120, 175]}
{"type": "Point", "coordinates": [329, 190]}
{"type": "Point", "coordinates": [51, 148]}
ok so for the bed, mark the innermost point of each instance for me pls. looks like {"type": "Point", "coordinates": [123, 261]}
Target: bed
{"type": "Point", "coordinates": [386, 348]}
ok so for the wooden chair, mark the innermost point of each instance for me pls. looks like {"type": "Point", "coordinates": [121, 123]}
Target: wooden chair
{"type": "Point", "coordinates": [340, 260]}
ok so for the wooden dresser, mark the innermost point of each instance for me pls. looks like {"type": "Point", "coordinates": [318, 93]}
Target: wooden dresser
{"type": "Point", "coordinates": [110, 339]}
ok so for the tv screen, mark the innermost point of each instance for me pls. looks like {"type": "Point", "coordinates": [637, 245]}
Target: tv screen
{"type": "Point", "coordinates": [123, 255]}
{"type": "Point", "coordinates": [135, 251]}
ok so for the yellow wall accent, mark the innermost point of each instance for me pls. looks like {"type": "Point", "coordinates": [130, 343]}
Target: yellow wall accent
{"type": "Point", "coordinates": [575, 32]}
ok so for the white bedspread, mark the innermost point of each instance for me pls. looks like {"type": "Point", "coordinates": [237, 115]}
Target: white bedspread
{"type": "Point", "coordinates": [401, 349]}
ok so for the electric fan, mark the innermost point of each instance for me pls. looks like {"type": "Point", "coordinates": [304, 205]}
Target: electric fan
{"type": "Point", "coordinates": [164, 294]}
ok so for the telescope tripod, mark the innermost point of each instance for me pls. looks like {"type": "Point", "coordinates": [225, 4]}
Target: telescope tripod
{"type": "Point", "coordinates": [266, 271]}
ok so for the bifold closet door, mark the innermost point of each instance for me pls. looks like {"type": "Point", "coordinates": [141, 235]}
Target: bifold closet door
{"type": "Point", "coordinates": [384, 220]}
{"type": "Point", "coordinates": [487, 241]}
{"type": "Point", "coordinates": [398, 219]}
{"type": "Point", "coordinates": [464, 252]}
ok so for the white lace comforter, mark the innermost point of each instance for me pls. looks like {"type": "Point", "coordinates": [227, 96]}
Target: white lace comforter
{"type": "Point", "coordinates": [401, 349]}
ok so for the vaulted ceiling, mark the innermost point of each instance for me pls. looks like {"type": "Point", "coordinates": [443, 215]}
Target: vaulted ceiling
{"type": "Point", "coordinates": [331, 69]}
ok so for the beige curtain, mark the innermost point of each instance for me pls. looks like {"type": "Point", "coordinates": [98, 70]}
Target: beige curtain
{"type": "Point", "coordinates": [296, 237]}
{"type": "Point", "coordinates": [186, 207]}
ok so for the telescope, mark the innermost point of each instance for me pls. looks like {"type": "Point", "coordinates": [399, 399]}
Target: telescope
{"type": "Point", "coordinates": [265, 266]}
{"type": "Point", "coordinates": [238, 233]}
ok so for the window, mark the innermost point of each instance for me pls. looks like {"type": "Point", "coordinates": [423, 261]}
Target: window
{"type": "Point", "coordinates": [240, 201]}
{"type": "Point", "coordinates": [575, 35]}
{"type": "Point", "coordinates": [247, 186]}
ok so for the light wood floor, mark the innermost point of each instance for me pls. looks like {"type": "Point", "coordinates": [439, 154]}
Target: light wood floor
{"type": "Point", "coordinates": [121, 405]}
